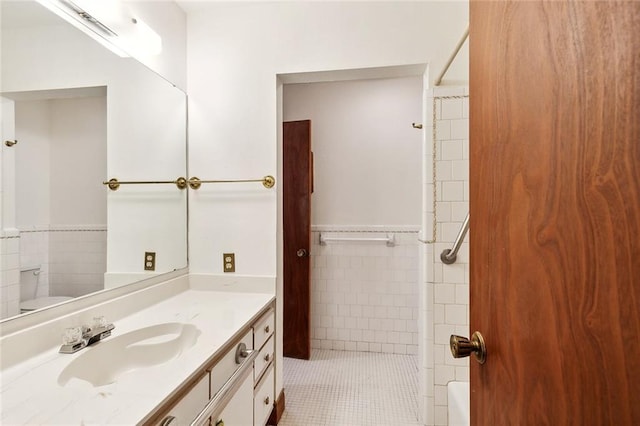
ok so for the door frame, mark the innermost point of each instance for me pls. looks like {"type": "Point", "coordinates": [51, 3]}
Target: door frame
{"type": "Point", "coordinates": [319, 76]}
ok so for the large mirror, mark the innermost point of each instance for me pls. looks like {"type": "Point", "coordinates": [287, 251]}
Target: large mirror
{"type": "Point", "coordinates": [82, 115]}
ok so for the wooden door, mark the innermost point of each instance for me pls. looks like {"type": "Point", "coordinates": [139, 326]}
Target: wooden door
{"type": "Point", "coordinates": [297, 183]}
{"type": "Point", "coordinates": [555, 212]}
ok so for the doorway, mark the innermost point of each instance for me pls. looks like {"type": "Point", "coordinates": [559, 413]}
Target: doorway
{"type": "Point", "coordinates": [367, 212]}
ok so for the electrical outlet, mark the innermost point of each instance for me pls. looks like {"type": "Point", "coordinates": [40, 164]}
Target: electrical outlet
{"type": "Point", "coordinates": [229, 262]}
{"type": "Point", "coordinates": [149, 260]}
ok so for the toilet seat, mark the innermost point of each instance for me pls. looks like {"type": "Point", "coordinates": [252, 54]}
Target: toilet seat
{"type": "Point", "coordinates": [41, 302]}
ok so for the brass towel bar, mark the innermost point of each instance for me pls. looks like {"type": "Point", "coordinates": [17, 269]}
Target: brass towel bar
{"type": "Point", "coordinates": [194, 183]}
{"type": "Point", "coordinates": [267, 181]}
{"type": "Point", "coordinates": [114, 183]}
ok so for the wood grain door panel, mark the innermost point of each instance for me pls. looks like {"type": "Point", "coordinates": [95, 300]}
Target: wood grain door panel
{"type": "Point", "coordinates": [297, 183]}
{"type": "Point", "coordinates": [555, 212]}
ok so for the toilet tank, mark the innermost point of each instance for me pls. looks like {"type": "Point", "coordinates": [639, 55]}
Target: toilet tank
{"type": "Point", "coordinates": [29, 276]}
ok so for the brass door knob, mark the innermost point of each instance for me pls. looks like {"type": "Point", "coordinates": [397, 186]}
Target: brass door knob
{"type": "Point", "coordinates": [301, 253]}
{"type": "Point", "coordinates": [462, 347]}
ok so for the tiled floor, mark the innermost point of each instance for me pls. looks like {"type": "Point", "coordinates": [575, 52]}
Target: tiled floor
{"type": "Point", "coordinates": [351, 388]}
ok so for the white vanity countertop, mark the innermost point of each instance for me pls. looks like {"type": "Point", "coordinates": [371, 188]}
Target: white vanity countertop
{"type": "Point", "coordinates": [30, 393]}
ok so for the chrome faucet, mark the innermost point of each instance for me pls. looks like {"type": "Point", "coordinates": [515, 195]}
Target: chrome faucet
{"type": "Point", "coordinates": [76, 338]}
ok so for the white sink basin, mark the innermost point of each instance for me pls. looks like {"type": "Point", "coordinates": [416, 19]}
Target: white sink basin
{"type": "Point", "coordinates": [105, 361]}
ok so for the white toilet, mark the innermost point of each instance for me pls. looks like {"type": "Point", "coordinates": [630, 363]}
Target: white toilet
{"type": "Point", "coordinates": [29, 289]}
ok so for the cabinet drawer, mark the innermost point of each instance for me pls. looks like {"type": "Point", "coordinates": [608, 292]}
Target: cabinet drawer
{"type": "Point", "coordinates": [263, 399]}
{"type": "Point", "coordinates": [263, 329]}
{"type": "Point", "coordinates": [237, 412]}
{"type": "Point", "coordinates": [227, 365]}
{"type": "Point", "coordinates": [188, 408]}
{"type": "Point", "coordinates": [264, 359]}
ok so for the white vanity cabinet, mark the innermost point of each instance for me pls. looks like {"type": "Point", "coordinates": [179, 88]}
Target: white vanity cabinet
{"type": "Point", "coordinates": [188, 407]}
{"type": "Point", "coordinates": [225, 366]}
{"type": "Point", "coordinates": [237, 411]}
{"type": "Point", "coordinates": [234, 393]}
{"type": "Point", "coordinates": [264, 342]}
{"type": "Point", "coordinates": [263, 399]}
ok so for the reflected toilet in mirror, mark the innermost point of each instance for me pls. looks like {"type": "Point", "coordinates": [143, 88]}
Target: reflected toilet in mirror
{"type": "Point", "coordinates": [33, 295]}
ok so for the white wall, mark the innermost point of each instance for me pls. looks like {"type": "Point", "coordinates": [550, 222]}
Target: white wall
{"type": "Point", "coordinates": [60, 162]}
{"type": "Point", "coordinates": [33, 130]}
{"type": "Point", "coordinates": [78, 161]}
{"type": "Point", "coordinates": [367, 156]}
{"type": "Point", "coordinates": [235, 52]}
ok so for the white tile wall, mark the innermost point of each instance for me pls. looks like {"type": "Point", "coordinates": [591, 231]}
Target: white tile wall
{"type": "Point", "coordinates": [34, 252]}
{"type": "Point", "coordinates": [447, 286]}
{"type": "Point", "coordinates": [78, 261]}
{"type": "Point", "coordinates": [9, 275]}
{"type": "Point", "coordinates": [72, 259]}
{"type": "Point", "coordinates": [365, 294]}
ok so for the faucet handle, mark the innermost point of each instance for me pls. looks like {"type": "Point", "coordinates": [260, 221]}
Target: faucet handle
{"type": "Point", "coordinates": [73, 340]}
{"type": "Point", "coordinates": [72, 335]}
{"type": "Point", "coordinates": [86, 331]}
{"type": "Point", "coordinates": [99, 322]}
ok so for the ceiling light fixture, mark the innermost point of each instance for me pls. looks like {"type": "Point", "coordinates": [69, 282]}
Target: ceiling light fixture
{"type": "Point", "coordinates": [110, 24]}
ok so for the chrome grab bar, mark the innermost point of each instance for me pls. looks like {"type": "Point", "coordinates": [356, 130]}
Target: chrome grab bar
{"type": "Point", "coordinates": [389, 240]}
{"type": "Point", "coordinates": [448, 256]}
{"type": "Point", "coordinates": [226, 392]}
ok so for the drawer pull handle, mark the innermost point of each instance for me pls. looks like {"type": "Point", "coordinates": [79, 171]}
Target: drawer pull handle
{"type": "Point", "coordinates": [267, 357]}
{"type": "Point", "coordinates": [266, 329]}
{"type": "Point", "coordinates": [266, 401]}
{"type": "Point", "coordinates": [219, 401]}
{"type": "Point", "coordinates": [167, 421]}
{"type": "Point", "coordinates": [241, 352]}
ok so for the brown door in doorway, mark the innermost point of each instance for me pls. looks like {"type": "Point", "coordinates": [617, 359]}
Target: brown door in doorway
{"type": "Point", "coordinates": [296, 187]}
{"type": "Point", "coordinates": [555, 212]}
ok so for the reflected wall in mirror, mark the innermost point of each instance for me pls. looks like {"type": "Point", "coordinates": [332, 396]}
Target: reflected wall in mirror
{"type": "Point", "coordinates": [82, 115]}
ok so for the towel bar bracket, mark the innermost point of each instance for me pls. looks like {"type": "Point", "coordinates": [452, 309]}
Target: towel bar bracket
{"type": "Point", "coordinates": [449, 256]}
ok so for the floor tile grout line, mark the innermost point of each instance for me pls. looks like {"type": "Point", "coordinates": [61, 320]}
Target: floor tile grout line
{"type": "Point", "coordinates": [351, 388]}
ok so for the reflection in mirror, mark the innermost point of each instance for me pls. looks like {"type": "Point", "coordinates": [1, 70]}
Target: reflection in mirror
{"type": "Point", "coordinates": [82, 115]}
